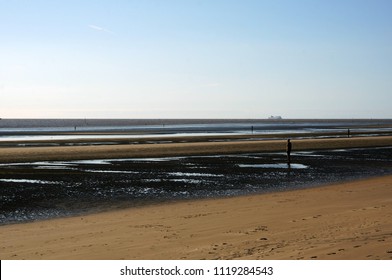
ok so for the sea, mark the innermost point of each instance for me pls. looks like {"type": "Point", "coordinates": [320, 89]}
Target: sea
{"type": "Point", "coordinates": [32, 191]}
{"type": "Point", "coordinates": [25, 129]}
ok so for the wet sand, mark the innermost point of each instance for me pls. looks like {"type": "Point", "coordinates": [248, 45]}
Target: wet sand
{"type": "Point", "coordinates": [350, 220]}
{"type": "Point", "coordinates": [28, 154]}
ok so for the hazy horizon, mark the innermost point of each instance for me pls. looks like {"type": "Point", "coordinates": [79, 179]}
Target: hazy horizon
{"type": "Point", "coordinates": [195, 59]}
{"type": "Point", "coordinates": [262, 119]}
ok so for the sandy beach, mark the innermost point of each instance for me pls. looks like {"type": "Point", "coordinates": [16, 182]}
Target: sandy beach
{"type": "Point", "coordinates": [28, 154]}
{"type": "Point", "coordinates": [350, 220]}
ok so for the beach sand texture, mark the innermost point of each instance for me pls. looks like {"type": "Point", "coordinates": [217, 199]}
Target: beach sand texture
{"type": "Point", "coordinates": [350, 220]}
{"type": "Point", "coordinates": [27, 154]}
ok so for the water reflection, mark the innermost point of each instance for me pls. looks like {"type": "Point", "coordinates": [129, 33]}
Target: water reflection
{"type": "Point", "coordinates": [276, 165]}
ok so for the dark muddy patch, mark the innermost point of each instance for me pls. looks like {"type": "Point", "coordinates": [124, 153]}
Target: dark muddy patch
{"type": "Point", "coordinates": [40, 190]}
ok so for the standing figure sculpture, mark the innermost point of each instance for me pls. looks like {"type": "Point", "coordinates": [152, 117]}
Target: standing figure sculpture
{"type": "Point", "coordinates": [288, 150]}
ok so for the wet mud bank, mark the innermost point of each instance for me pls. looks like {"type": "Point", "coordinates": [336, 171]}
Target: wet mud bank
{"type": "Point", "coordinates": [48, 189]}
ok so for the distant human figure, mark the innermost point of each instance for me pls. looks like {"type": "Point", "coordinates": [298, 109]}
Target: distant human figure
{"type": "Point", "coordinates": [252, 129]}
{"type": "Point", "coordinates": [348, 133]}
{"type": "Point", "coordinates": [288, 150]}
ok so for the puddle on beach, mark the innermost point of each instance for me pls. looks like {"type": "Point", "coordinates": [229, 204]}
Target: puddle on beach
{"type": "Point", "coordinates": [62, 167]}
{"type": "Point", "coordinates": [305, 154]}
{"type": "Point", "coordinates": [147, 159]}
{"type": "Point", "coordinates": [28, 181]}
{"type": "Point", "coordinates": [95, 161]}
{"type": "Point", "coordinates": [189, 181]}
{"type": "Point", "coordinates": [109, 171]}
{"type": "Point", "coordinates": [276, 165]}
{"type": "Point", "coordinates": [194, 174]}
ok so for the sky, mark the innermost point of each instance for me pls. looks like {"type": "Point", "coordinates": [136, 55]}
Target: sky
{"type": "Point", "coordinates": [195, 59]}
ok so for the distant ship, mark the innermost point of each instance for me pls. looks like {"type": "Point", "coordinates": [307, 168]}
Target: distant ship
{"type": "Point", "coordinates": [275, 118]}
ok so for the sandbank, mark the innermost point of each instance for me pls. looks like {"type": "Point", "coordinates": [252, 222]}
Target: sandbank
{"type": "Point", "coordinates": [28, 154]}
{"type": "Point", "coordinates": [351, 220]}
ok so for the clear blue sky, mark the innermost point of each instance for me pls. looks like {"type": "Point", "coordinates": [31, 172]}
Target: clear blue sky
{"type": "Point", "coordinates": [195, 59]}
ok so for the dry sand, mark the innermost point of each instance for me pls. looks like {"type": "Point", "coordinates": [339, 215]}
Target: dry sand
{"type": "Point", "coordinates": [344, 221]}
{"type": "Point", "coordinates": [26, 154]}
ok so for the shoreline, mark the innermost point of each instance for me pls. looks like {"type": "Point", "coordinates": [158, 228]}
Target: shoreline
{"type": "Point", "coordinates": [349, 220]}
{"type": "Point", "coordinates": [30, 154]}
{"type": "Point", "coordinates": [126, 137]}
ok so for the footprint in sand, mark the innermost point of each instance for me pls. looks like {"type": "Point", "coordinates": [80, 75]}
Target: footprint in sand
{"type": "Point", "coordinates": [260, 228]}
{"type": "Point", "coordinates": [307, 218]}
